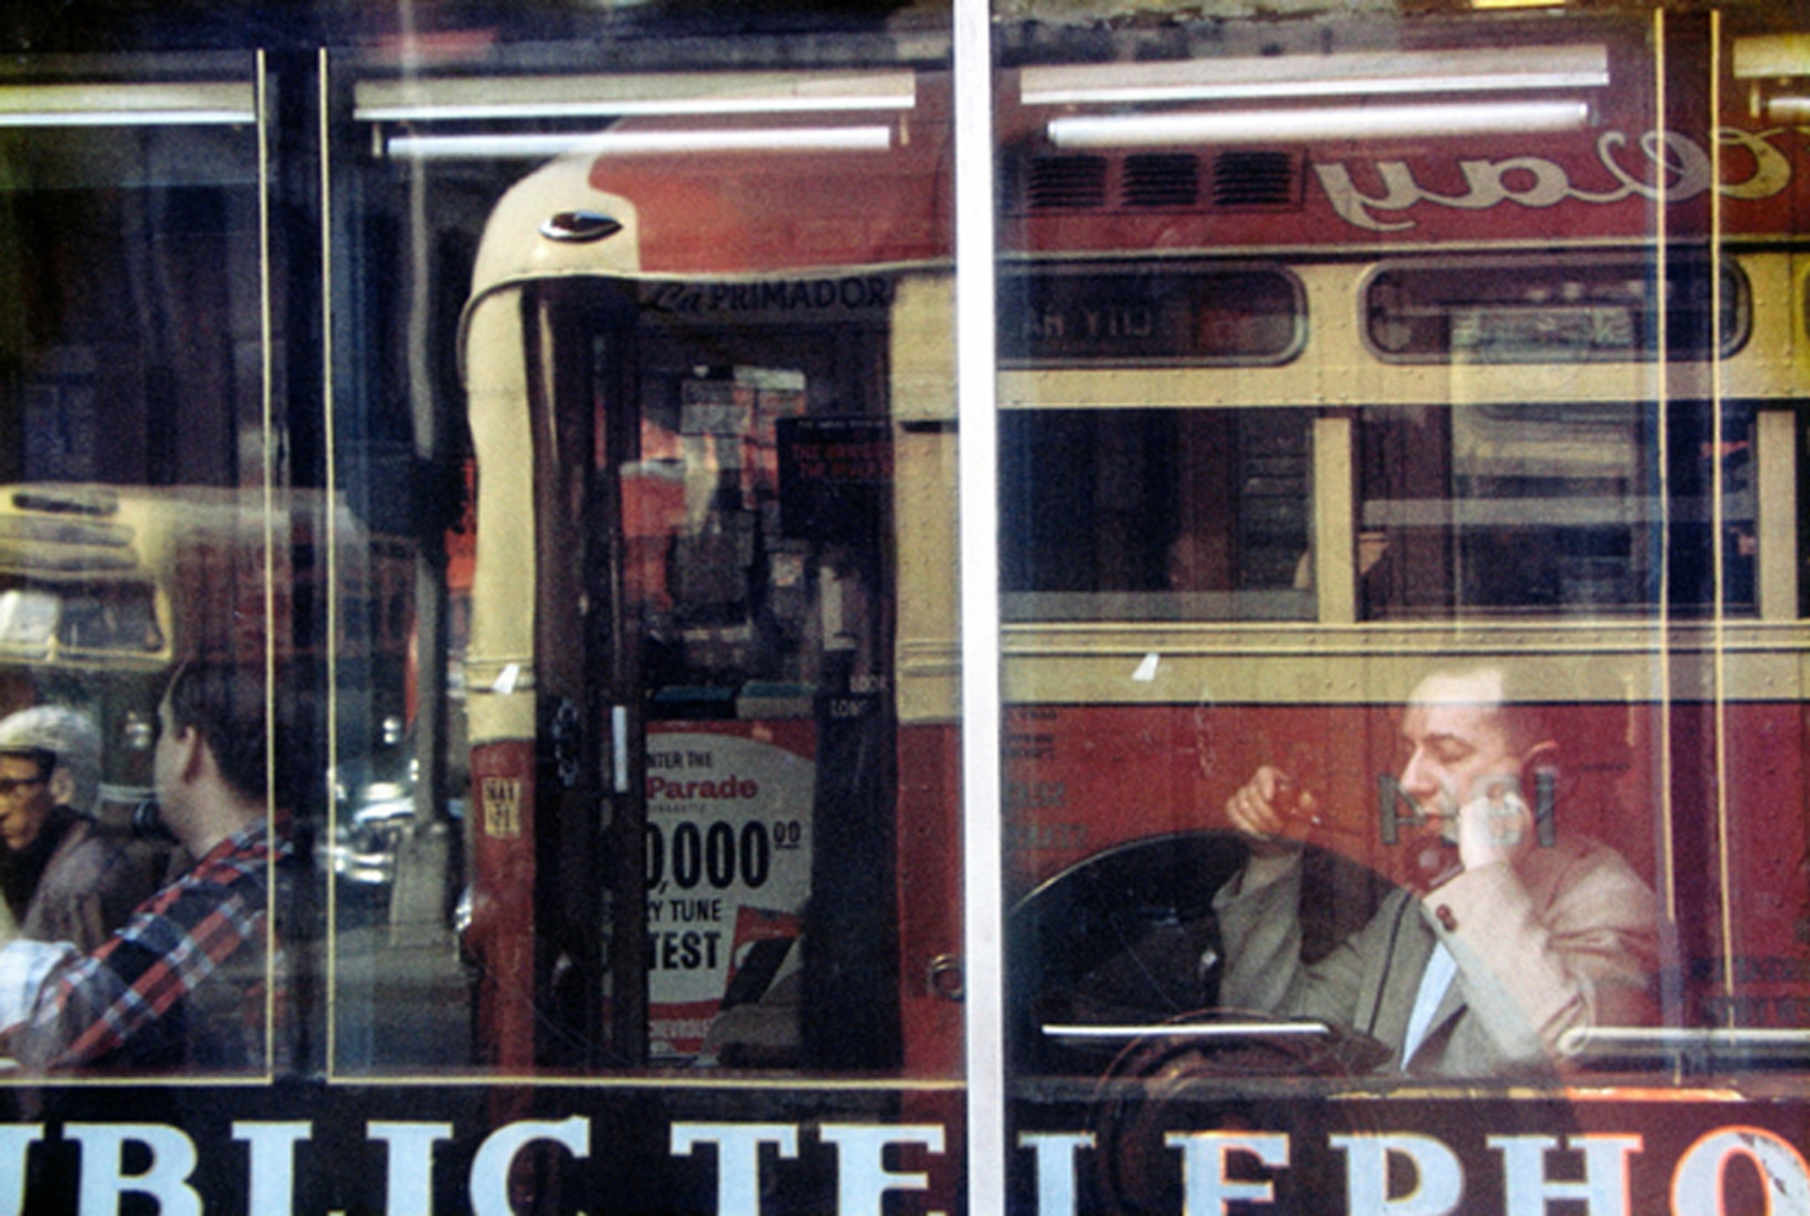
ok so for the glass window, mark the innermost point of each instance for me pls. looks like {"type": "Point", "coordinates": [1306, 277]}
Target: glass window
{"type": "Point", "coordinates": [515, 467]}
{"type": "Point", "coordinates": [1105, 315]}
{"type": "Point", "coordinates": [1155, 515]}
{"type": "Point", "coordinates": [1562, 310]}
{"type": "Point", "coordinates": [1509, 537]}
{"type": "Point", "coordinates": [145, 518]}
{"type": "Point", "coordinates": [87, 615]}
{"type": "Point", "coordinates": [133, 212]}
{"type": "Point", "coordinates": [662, 372]}
{"type": "Point", "coordinates": [31, 619]}
{"type": "Point", "coordinates": [1551, 509]}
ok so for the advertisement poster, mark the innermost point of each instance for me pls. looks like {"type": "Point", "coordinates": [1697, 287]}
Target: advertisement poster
{"type": "Point", "coordinates": [728, 872]}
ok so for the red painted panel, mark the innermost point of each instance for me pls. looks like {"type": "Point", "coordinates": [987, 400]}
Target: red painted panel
{"type": "Point", "coordinates": [501, 935]}
{"type": "Point", "coordinates": [930, 897]}
{"type": "Point", "coordinates": [778, 211]}
{"type": "Point", "coordinates": [1080, 779]}
{"type": "Point", "coordinates": [774, 211]}
{"type": "Point", "coordinates": [1758, 974]}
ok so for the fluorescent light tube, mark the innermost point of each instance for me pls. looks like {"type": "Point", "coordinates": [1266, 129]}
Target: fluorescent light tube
{"type": "Point", "coordinates": [1318, 123]}
{"type": "Point", "coordinates": [123, 118]}
{"type": "Point", "coordinates": [518, 146]}
{"type": "Point", "coordinates": [1794, 110]}
{"type": "Point", "coordinates": [126, 105]}
{"type": "Point", "coordinates": [533, 97]}
{"type": "Point", "coordinates": [1256, 77]}
{"type": "Point", "coordinates": [1772, 55]}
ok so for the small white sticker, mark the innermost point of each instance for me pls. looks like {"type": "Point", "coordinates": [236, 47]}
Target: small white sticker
{"type": "Point", "coordinates": [506, 678]}
{"type": "Point", "coordinates": [1146, 671]}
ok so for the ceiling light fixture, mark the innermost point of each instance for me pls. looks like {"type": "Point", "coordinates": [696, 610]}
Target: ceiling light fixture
{"type": "Point", "coordinates": [1771, 56]}
{"type": "Point", "coordinates": [1343, 74]}
{"type": "Point", "coordinates": [522, 98]}
{"type": "Point", "coordinates": [520, 146]}
{"type": "Point", "coordinates": [1317, 123]}
{"type": "Point", "coordinates": [127, 105]}
{"type": "Point", "coordinates": [1788, 109]}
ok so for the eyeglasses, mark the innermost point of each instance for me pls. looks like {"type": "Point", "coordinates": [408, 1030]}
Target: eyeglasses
{"type": "Point", "coordinates": [12, 785]}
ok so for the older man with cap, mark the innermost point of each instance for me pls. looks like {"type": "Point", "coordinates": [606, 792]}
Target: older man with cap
{"type": "Point", "coordinates": [61, 877]}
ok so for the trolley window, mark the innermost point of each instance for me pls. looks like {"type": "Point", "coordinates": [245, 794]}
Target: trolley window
{"type": "Point", "coordinates": [1155, 514]}
{"type": "Point", "coordinates": [116, 617]}
{"type": "Point", "coordinates": [28, 618]}
{"type": "Point", "coordinates": [1089, 315]}
{"type": "Point", "coordinates": [1553, 508]}
{"type": "Point", "coordinates": [1568, 310]}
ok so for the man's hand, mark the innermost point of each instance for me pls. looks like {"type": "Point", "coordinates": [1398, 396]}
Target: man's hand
{"type": "Point", "coordinates": [25, 969]}
{"type": "Point", "coordinates": [1495, 824]}
{"type": "Point", "coordinates": [1271, 812]}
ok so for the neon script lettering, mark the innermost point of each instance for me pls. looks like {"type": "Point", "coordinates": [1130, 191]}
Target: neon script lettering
{"type": "Point", "coordinates": [1676, 167]}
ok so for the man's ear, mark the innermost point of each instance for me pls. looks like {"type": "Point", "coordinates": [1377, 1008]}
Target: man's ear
{"type": "Point", "coordinates": [1544, 754]}
{"type": "Point", "coordinates": [191, 748]}
{"type": "Point", "coordinates": [61, 786]}
{"type": "Point", "coordinates": [1541, 759]}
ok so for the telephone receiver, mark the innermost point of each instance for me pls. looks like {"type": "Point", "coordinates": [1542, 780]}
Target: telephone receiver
{"type": "Point", "coordinates": [1539, 773]}
{"type": "Point", "coordinates": [1436, 861]}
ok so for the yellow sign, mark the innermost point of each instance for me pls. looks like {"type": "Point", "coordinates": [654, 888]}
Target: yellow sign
{"type": "Point", "coordinates": [502, 807]}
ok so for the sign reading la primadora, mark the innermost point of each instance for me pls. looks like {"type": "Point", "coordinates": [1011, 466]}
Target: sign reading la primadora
{"type": "Point", "coordinates": [388, 1162]}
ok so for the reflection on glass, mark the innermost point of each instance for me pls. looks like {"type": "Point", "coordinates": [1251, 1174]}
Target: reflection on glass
{"type": "Point", "coordinates": [1560, 310]}
{"type": "Point", "coordinates": [1156, 514]}
{"type": "Point", "coordinates": [141, 644]}
{"type": "Point", "coordinates": [1552, 508]}
{"type": "Point", "coordinates": [754, 524]}
{"type": "Point", "coordinates": [655, 783]}
{"type": "Point", "coordinates": [176, 976]}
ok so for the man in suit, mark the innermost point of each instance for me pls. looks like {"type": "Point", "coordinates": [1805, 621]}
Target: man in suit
{"type": "Point", "coordinates": [1481, 970]}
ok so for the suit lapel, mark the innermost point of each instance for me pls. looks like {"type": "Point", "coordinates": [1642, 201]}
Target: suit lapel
{"type": "Point", "coordinates": [1413, 959]}
{"type": "Point", "coordinates": [1399, 977]}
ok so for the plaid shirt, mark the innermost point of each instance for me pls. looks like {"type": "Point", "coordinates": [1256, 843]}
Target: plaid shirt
{"type": "Point", "coordinates": [181, 986]}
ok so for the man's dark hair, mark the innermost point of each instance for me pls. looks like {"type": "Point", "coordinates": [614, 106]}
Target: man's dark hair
{"type": "Point", "coordinates": [229, 703]}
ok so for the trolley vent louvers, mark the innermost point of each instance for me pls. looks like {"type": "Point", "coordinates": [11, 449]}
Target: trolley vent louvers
{"type": "Point", "coordinates": [1255, 179]}
{"type": "Point", "coordinates": [1161, 180]}
{"type": "Point", "coordinates": [1065, 181]}
{"type": "Point", "coordinates": [1243, 179]}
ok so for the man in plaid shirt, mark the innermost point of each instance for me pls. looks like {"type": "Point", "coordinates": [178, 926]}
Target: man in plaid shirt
{"type": "Point", "coordinates": [186, 984]}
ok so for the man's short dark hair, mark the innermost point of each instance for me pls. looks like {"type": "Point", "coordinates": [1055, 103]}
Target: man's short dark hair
{"type": "Point", "coordinates": [231, 704]}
